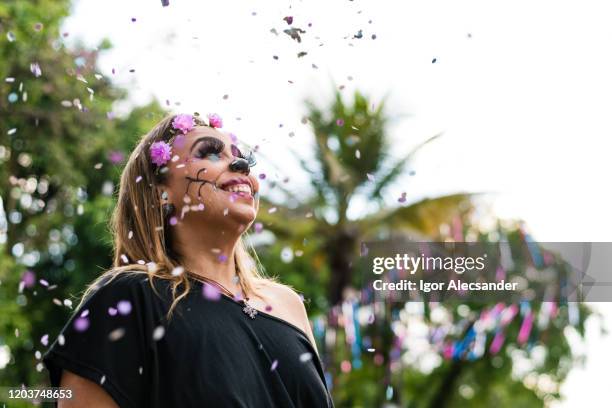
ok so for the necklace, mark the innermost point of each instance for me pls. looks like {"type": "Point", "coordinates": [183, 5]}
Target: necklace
{"type": "Point", "coordinates": [247, 309]}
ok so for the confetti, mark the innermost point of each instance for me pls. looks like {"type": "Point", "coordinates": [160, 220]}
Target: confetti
{"type": "Point", "coordinates": [44, 340]}
{"type": "Point", "coordinates": [81, 324]}
{"type": "Point", "coordinates": [258, 227]}
{"type": "Point", "coordinates": [210, 292]}
{"type": "Point", "coordinates": [305, 357]}
{"type": "Point", "coordinates": [294, 33]}
{"type": "Point", "coordinates": [35, 68]}
{"type": "Point", "coordinates": [158, 333]}
{"type": "Point", "coordinates": [274, 365]}
{"type": "Point", "coordinates": [116, 334]}
{"type": "Point", "coordinates": [288, 20]}
{"type": "Point", "coordinates": [124, 307]}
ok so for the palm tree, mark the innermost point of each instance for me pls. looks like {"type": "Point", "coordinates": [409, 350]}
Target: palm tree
{"type": "Point", "coordinates": [353, 158]}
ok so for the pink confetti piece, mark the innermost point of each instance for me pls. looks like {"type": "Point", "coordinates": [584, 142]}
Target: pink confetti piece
{"type": "Point", "coordinates": [210, 292]}
{"type": "Point", "coordinates": [112, 311]}
{"type": "Point", "coordinates": [525, 329]}
{"type": "Point", "coordinates": [268, 308]}
{"type": "Point", "coordinates": [274, 365]}
{"type": "Point", "coordinates": [258, 227]}
{"type": "Point", "coordinates": [497, 343]}
{"type": "Point", "coordinates": [44, 340]}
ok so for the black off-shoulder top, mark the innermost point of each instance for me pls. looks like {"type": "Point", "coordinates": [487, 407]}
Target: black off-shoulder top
{"type": "Point", "coordinates": [210, 354]}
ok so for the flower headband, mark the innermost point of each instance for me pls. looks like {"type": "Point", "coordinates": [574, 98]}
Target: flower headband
{"type": "Point", "coordinates": [182, 124]}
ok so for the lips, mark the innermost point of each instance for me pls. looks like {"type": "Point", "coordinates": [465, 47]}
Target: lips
{"type": "Point", "coordinates": [238, 185]}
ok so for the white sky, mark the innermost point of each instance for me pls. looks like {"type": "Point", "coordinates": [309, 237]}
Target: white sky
{"type": "Point", "coordinates": [524, 103]}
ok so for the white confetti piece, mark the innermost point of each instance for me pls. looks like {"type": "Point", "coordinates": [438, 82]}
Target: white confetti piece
{"type": "Point", "coordinates": [116, 334]}
{"type": "Point", "coordinates": [158, 333]}
{"type": "Point", "coordinates": [304, 357]}
{"type": "Point", "coordinates": [178, 271]}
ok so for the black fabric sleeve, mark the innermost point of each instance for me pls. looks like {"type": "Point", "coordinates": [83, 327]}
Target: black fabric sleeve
{"type": "Point", "coordinates": [108, 340]}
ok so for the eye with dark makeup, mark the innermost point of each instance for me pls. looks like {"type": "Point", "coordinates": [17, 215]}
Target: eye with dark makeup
{"type": "Point", "coordinates": [208, 147]}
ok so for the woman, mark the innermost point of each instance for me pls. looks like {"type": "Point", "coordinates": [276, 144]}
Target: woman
{"type": "Point", "coordinates": [184, 318]}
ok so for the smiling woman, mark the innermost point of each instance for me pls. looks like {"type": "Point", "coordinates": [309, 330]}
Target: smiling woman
{"type": "Point", "coordinates": [184, 318]}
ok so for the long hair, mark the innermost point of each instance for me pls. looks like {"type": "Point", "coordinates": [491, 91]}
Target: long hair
{"type": "Point", "coordinates": [141, 236]}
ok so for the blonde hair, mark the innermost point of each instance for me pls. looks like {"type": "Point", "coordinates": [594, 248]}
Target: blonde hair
{"type": "Point", "coordinates": [141, 234]}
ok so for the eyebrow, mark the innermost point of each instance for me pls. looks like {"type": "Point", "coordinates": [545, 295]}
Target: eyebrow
{"type": "Point", "coordinates": [203, 138]}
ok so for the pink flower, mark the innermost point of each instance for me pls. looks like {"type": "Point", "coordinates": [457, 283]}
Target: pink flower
{"type": "Point", "coordinates": [182, 122]}
{"type": "Point", "coordinates": [160, 153]}
{"type": "Point", "coordinates": [215, 120]}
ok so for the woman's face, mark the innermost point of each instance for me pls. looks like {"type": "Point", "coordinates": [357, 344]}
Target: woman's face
{"type": "Point", "coordinates": [202, 186]}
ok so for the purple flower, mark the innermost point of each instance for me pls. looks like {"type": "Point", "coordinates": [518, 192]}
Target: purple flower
{"type": "Point", "coordinates": [215, 120]}
{"type": "Point", "coordinates": [160, 153]}
{"type": "Point", "coordinates": [183, 122]}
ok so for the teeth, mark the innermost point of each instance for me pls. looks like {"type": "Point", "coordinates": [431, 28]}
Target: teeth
{"type": "Point", "coordinates": [235, 188]}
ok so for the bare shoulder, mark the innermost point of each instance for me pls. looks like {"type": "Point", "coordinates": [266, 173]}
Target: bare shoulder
{"type": "Point", "coordinates": [86, 393]}
{"type": "Point", "coordinates": [288, 305]}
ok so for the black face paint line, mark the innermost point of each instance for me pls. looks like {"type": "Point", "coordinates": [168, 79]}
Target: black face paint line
{"type": "Point", "coordinates": [199, 180]}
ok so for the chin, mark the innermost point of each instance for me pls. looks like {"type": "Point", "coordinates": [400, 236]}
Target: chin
{"type": "Point", "coordinates": [242, 213]}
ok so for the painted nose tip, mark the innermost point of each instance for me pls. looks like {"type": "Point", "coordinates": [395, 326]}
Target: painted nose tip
{"type": "Point", "coordinates": [240, 165]}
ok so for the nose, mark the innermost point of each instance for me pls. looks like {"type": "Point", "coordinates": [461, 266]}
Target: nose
{"type": "Point", "coordinates": [240, 165]}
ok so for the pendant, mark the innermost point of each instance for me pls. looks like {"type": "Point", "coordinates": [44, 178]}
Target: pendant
{"type": "Point", "coordinates": [249, 310]}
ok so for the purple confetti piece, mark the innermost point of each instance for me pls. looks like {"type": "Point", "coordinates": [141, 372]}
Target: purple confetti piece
{"type": "Point", "coordinates": [258, 227]}
{"type": "Point", "coordinates": [28, 278]}
{"type": "Point", "coordinates": [210, 292]}
{"type": "Point", "coordinates": [112, 311]}
{"type": "Point", "coordinates": [81, 324]}
{"type": "Point", "coordinates": [124, 307]}
{"type": "Point", "coordinates": [274, 365]}
{"type": "Point", "coordinates": [45, 340]}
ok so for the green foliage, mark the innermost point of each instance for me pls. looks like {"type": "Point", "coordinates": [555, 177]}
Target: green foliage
{"type": "Point", "coordinates": [57, 175]}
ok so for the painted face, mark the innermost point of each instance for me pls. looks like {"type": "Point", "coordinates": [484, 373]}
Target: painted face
{"type": "Point", "coordinates": [211, 180]}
